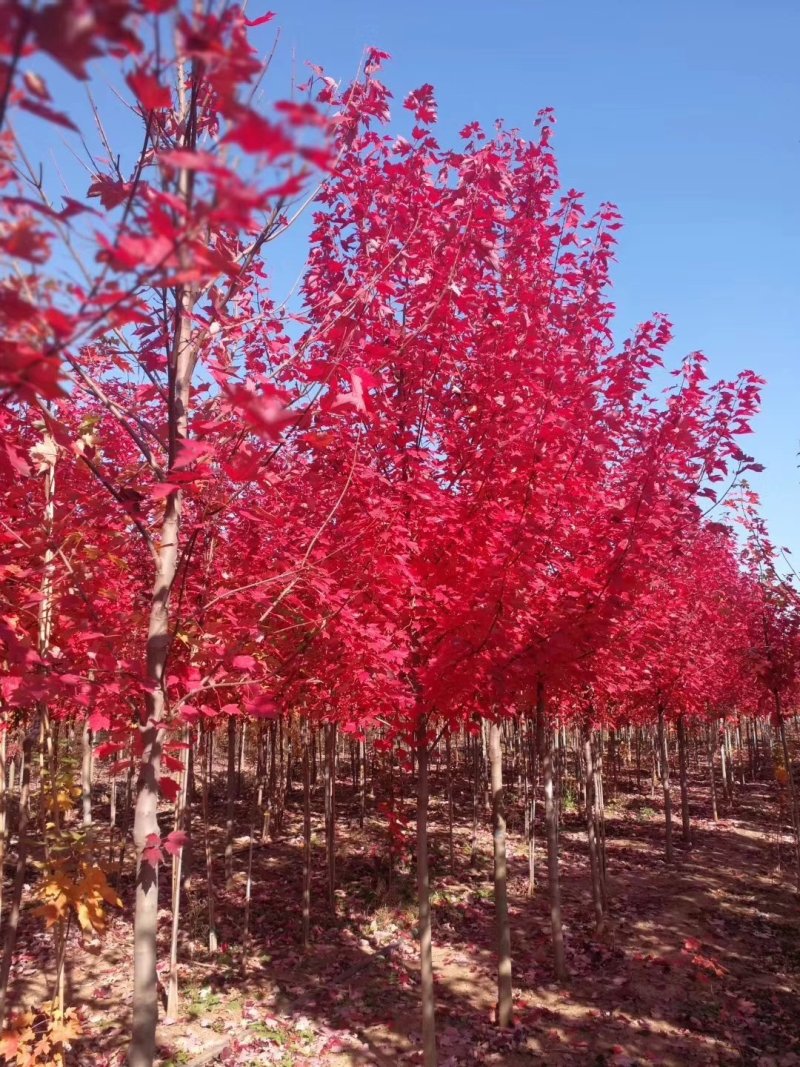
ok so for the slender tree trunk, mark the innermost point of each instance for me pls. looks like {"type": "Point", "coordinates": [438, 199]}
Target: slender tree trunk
{"type": "Point", "coordinates": [269, 806]}
{"type": "Point", "coordinates": [723, 755]}
{"type": "Point", "coordinates": [240, 764]}
{"type": "Point", "coordinates": [330, 810]}
{"type": "Point", "coordinates": [306, 840]}
{"type": "Point", "coordinates": [791, 784]}
{"type": "Point", "coordinates": [600, 822]}
{"type": "Point", "coordinates": [685, 820]}
{"type": "Point", "coordinates": [476, 785]}
{"type": "Point", "coordinates": [362, 781]}
{"type": "Point", "coordinates": [664, 760]}
{"type": "Point", "coordinates": [248, 895]}
{"type": "Point", "coordinates": [145, 982]}
{"type": "Point", "coordinates": [450, 846]}
{"type": "Point", "coordinates": [207, 764]}
{"type": "Point", "coordinates": [711, 775]}
{"type": "Point", "coordinates": [590, 808]}
{"type": "Point", "coordinates": [12, 922]}
{"type": "Point", "coordinates": [86, 774]}
{"type": "Point", "coordinates": [427, 991]}
{"type": "Point", "coordinates": [231, 802]}
{"type": "Point", "coordinates": [551, 824]}
{"type": "Point", "coordinates": [177, 865]}
{"type": "Point", "coordinates": [533, 764]}
{"type": "Point", "coordinates": [612, 760]}
{"type": "Point", "coordinates": [502, 925]}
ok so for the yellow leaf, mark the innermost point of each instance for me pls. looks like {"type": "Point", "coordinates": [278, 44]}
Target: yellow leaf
{"type": "Point", "coordinates": [63, 1031]}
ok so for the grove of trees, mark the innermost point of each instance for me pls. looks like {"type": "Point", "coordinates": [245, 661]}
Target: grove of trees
{"type": "Point", "coordinates": [428, 510]}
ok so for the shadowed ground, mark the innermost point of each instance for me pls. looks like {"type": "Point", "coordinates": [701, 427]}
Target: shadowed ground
{"type": "Point", "coordinates": [700, 963]}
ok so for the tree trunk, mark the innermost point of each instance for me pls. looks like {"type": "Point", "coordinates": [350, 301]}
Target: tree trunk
{"type": "Point", "coordinates": [711, 775]}
{"type": "Point", "coordinates": [551, 823]}
{"type": "Point", "coordinates": [600, 822]}
{"type": "Point", "coordinates": [727, 792]}
{"type": "Point", "coordinates": [306, 840]}
{"type": "Point", "coordinates": [232, 784]}
{"type": "Point", "coordinates": [362, 781]}
{"type": "Point", "coordinates": [450, 847]}
{"type": "Point", "coordinates": [534, 761]}
{"type": "Point", "coordinates": [86, 774]}
{"type": "Point", "coordinates": [142, 1048]}
{"type": "Point", "coordinates": [590, 808]}
{"type": "Point", "coordinates": [207, 764]}
{"type": "Point", "coordinates": [330, 810]}
{"type": "Point", "coordinates": [792, 789]}
{"type": "Point", "coordinates": [503, 928]}
{"type": "Point", "coordinates": [177, 866]}
{"type": "Point", "coordinates": [476, 785]}
{"type": "Point", "coordinates": [685, 821]}
{"type": "Point", "coordinates": [427, 992]}
{"type": "Point", "coordinates": [12, 922]}
{"type": "Point", "coordinates": [240, 759]}
{"type": "Point", "coordinates": [664, 761]}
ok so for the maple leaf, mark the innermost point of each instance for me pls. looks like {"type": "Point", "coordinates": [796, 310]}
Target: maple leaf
{"type": "Point", "coordinates": [422, 103]}
{"type": "Point", "coordinates": [257, 135]}
{"type": "Point", "coordinates": [175, 841]}
{"type": "Point", "coordinates": [148, 90]}
{"type": "Point", "coordinates": [169, 789]}
{"type": "Point", "coordinates": [64, 1029]}
{"type": "Point", "coordinates": [37, 107]}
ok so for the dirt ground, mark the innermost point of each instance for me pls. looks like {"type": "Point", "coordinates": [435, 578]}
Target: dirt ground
{"type": "Point", "coordinates": [700, 963]}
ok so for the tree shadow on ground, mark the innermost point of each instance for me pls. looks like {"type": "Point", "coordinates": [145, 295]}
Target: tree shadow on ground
{"type": "Point", "coordinates": [699, 963]}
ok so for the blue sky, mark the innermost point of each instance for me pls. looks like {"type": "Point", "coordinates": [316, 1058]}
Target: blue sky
{"type": "Point", "coordinates": [685, 114]}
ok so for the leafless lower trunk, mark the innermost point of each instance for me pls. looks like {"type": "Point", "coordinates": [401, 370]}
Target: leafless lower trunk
{"type": "Point", "coordinates": [545, 737]}
{"type": "Point", "coordinates": [306, 840]}
{"type": "Point", "coordinates": [685, 821]}
{"type": "Point", "coordinates": [502, 925]}
{"type": "Point", "coordinates": [12, 922]}
{"type": "Point", "coordinates": [86, 774]}
{"type": "Point", "coordinates": [664, 768]}
{"type": "Point", "coordinates": [427, 992]}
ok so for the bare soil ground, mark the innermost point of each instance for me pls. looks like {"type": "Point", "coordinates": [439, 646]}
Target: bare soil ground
{"type": "Point", "coordinates": [700, 963]}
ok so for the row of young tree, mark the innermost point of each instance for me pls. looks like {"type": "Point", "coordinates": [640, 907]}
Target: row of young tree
{"type": "Point", "coordinates": [428, 497]}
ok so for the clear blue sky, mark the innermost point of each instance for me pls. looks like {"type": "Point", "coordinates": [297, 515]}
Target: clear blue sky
{"type": "Point", "coordinates": [685, 113]}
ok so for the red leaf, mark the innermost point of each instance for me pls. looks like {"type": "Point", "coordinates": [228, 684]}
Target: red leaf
{"type": "Point", "coordinates": [17, 459]}
{"type": "Point", "coordinates": [171, 763]}
{"type": "Point", "coordinates": [109, 192]}
{"type": "Point", "coordinates": [152, 856]}
{"type": "Point", "coordinates": [270, 15]}
{"type": "Point", "coordinates": [36, 107]}
{"type": "Point", "coordinates": [103, 751]}
{"type": "Point", "coordinates": [169, 789]}
{"type": "Point", "coordinates": [99, 720]}
{"type": "Point", "coordinates": [255, 134]}
{"type": "Point", "coordinates": [175, 841]}
{"type": "Point", "coordinates": [151, 94]}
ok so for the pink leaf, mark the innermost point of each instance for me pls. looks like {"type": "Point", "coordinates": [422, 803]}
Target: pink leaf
{"type": "Point", "coordinates": [270, 15]}
{"type": "Point", "coordinates": [175, 841]}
